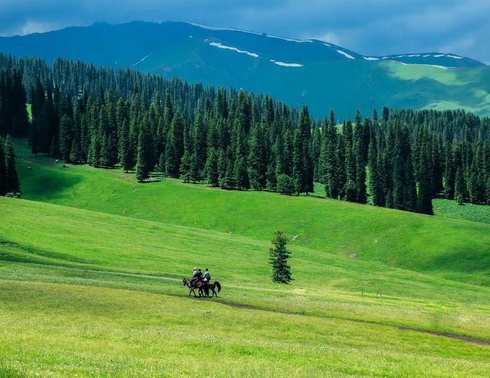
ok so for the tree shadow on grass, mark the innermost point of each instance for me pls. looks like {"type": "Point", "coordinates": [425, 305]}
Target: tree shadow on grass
{"type": "Point", "coordinates": [462, 261]}
{"type": "Point", "coordinates": [47, 184]}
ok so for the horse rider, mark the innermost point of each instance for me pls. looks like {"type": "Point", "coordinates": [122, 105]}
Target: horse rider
{"type": "Point", "coordinates": [207, 276]}
{"type": "Point", "coordinates": [195, 277]}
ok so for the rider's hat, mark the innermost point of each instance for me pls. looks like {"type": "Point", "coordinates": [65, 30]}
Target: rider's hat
{"type": "Point", "coordinates": [195, 268]}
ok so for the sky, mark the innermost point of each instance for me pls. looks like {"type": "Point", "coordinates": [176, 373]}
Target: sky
{"type": "Point", "coordinates": [369, 27]}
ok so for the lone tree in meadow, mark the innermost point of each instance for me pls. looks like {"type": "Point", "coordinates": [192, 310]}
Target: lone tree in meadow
{"type": "Point", "coordinates": [279, 255]}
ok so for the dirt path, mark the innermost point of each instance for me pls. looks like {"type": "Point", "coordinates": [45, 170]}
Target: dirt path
{"type": "Point", "coordinates": [455, 336]}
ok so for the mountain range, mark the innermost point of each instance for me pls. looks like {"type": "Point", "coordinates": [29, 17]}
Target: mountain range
{"type": "Point", "coordinates": [319, 74]}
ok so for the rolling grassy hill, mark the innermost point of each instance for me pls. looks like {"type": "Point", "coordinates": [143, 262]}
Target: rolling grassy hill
{"type": "Point", "coordinates": [94, 294]}
{"type": "Point", "coordinates": [322, 75]}
{"type": "Point", "coordinates": [91, 267]}
{"type": "Point", "coordinates": [447, 248]}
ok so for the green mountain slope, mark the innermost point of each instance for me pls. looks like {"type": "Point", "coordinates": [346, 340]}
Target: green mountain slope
{"type": "Point", "coordinates": [319, 74]}
{"type": "Point", "coordinates": [84, 293]}
{"type": "Point", "coordinates": [446, 248]}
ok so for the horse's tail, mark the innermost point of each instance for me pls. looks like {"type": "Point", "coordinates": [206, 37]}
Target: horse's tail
{"type": "Point", "coordinates": [218, 285]}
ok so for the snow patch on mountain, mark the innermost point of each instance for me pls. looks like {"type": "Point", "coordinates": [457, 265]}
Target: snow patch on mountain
{"type": "Point", "coordinates": [435, 65]}
{"type": "Point", "coordinates": [208, 27]}
{"type": "Point", "coordinates": [221, 46]}
{"type": "Point", "coordinates": [290, 39]}
{"type": "Point", "coordinates": [286, 64]}
{"type": "Point", "coordinates": [216, 28]}
{"type": "Point", "coordinates": [454, 56]}
{"type": "Point", "coordinates": [345, 54]}
{"type": "Point", "coordinates": [142, 60]}
{"type": "Point", "coordinates": [370, 58]}
{"type": "Point", "coordinates": [439, 55]}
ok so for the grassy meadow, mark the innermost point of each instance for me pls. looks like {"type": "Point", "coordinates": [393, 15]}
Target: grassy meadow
{"type": "Point", "coordinates": [91, 268]}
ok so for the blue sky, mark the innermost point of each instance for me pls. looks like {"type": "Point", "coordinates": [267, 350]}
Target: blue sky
{"type": "Point", "coordinates": [370, 27]}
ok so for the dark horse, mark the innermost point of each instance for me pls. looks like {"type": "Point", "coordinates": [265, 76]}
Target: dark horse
{"type": "Point", "coordinates": [197, 285]}
{"type": "Point", "coordinates": [211, 286]}
{"type": "Point", "coordinates": [203, 287]}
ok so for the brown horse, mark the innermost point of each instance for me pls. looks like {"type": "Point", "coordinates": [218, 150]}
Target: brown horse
{"type": "Point", "coordinates": [202, 286]}
{"type": "Point", "coordinates": [211, 286]}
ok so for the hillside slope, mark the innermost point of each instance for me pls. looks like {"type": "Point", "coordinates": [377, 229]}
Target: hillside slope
{"type": "Point", "coordinates": [319, 74]}
{"type": "Point", "coordinates": [49, 243]}
{"type": "Point", "coordinates": [447, 248]}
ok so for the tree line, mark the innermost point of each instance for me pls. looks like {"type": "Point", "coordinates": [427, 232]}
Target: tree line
{"type": "Point", "coordinates": [237, 140]}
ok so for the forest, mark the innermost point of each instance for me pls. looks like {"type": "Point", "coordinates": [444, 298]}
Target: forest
{"type": "Point", "coordinates": [238, 140]}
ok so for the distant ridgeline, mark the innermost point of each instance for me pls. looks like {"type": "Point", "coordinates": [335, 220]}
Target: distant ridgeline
{"type": "Point", "coordinates": [237, 140]}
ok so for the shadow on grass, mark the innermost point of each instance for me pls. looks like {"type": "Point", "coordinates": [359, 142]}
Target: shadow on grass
{"type": "Point", "coordinates": [47, 184]}
{"type": "Point", "coordinates": [463, 261]}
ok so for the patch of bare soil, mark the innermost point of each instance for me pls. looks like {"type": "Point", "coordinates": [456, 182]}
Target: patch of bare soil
{"type": "Point", "coordinates": [9, 244]}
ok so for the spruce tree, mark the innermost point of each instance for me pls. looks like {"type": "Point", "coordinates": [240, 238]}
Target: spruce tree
{"type": "Point", "coordinates": [257, 159]}
{"type": "Point", "coordinates": [125, 154]}
{"type": "Point", "coordinates": [460, 186]}
{"type": "Point", "coordinates": [144, 153]}
{"type": "Point", "coordinates": [11, 178]}
{"type": "Point", "coordinates": [212, 174]}
{"type": "Point", "coordinates": [3, 169]}
{"type": "Point", "coordinates": [185, 167]}
{"type": "Point", "coordinates": [241, 174]}
{"type": "Point", "coordinates": [424, 197]}
{"type": "Point", "coordinates": [279, 255]}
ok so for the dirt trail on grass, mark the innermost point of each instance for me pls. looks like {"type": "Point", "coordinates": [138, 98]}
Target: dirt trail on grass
{"type": "Point", "coordinates": [455, 336]}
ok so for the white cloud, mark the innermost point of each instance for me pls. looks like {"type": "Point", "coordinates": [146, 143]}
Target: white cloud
{"type": "Point", "coordinates": [37, 27]}
{"type": "Point", "coordinates": [325, 37]}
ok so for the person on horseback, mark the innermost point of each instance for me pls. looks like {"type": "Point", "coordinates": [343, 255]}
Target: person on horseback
{"type": "Point", "coordinates": [207, 276]}
{"type": "Point", "coordinates": [194, 278]}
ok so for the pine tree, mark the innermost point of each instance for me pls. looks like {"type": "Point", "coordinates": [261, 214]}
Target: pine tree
{"type": "Point", "coordinates": [298, 164]}
{"type": "Point", "coordinates": [144, 153]}
{"type": "Point", "coordinates": [241, 174]}
{"type": "Point", "coordinates": [200, 144]}
{"type": "Point", "coordinates": [65, 137]}
{"type": "Point", "coordinates": [424, 197]}
{"type": "Point", "coordinates": [185, 167]}
{"type": "Point", "coordinates": [125, 154]}
{"type": "Point", "coordinates": [212, 173]}
{"type": "Point", "coordinates": [257, 159]}
{"type": "Point", "coordinates": [279, 255]}
{"type": "Point", "coordinates": [449, 174]}
{"type": "Point", "coordinates": [3, 169]}
{"type": "Point", "coordinates": [285, 184]}
{"type": "Point", "coordinates": [11, 178]}
{"type": "Point", "coordinates": [340, 171]}
{"type": "Point", "coordinates": [460, 187]}
{"type": "Point", "coordinates": [305, 139]}
{"type": "Point", "coordinates": [175, 146]}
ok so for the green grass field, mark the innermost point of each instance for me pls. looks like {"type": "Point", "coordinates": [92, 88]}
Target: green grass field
{"type": "Point", "coordinates": [91, 267]}
{"type": "Point", "coordinates": [468, 211]}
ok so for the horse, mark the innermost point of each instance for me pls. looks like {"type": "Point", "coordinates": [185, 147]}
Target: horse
{"type": "Point", "coordinates": [202, 286]}
{"type": "Point", "coordinates": [214, 284]}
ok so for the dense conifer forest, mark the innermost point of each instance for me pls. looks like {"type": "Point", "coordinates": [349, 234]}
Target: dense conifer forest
{"type": "Point", "coordinates": [237, 140]}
